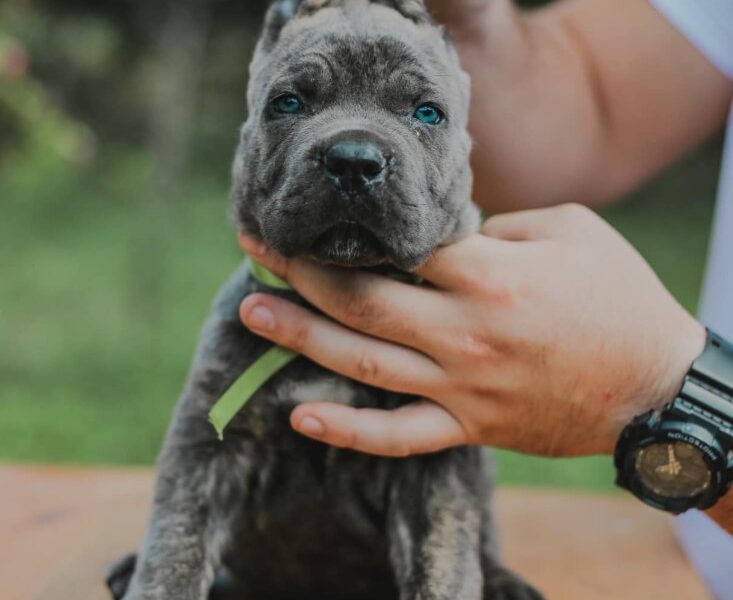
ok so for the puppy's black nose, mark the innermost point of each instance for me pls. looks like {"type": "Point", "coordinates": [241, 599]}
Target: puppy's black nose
{"type": "Point", "coordinates": [354, 165]}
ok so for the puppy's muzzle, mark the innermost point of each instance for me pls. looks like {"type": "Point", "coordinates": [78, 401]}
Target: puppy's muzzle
{"type": "Point", "coordinates": [355, 162]}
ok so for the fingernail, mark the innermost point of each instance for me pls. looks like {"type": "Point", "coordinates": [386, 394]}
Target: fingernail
{"type": "Point", "coordinates": [261, 318]}
{"type": "Point", "coordinates": [311, 426]}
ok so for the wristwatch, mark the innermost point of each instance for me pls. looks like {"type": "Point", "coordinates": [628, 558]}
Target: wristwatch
{"type": "Point", "coordinates": [681, 457]}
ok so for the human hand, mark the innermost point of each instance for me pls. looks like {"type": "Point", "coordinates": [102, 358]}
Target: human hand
{"type": "Point", "coordinates": [546, 334]}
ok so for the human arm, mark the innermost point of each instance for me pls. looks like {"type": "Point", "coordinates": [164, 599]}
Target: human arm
{"type": "Point", "coordinates": [580, 101]}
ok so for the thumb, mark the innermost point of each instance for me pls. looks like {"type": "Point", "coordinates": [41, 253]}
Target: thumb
{"type": "Point", "coordinates": [539, 224]}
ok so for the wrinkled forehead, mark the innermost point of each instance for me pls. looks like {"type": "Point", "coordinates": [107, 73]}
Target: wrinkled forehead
{"type": "Point", "coordinates": [362, 51]}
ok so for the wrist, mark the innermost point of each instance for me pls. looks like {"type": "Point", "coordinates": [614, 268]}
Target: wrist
{"type": "Point", "coordinates": [686, 344]}
{"type": "Point", "coordinates": [659, 386]}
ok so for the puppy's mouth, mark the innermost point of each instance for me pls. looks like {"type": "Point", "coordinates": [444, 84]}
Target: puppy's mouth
{"type": "Point", "coordinates": [348, 244]}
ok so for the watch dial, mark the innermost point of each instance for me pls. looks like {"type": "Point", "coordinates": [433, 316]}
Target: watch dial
{"type": "Point", "coordinates": [673, 470]}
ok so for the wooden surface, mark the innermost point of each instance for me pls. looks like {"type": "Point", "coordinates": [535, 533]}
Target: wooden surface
{"type": "Point", "coordinates": [61, 528]}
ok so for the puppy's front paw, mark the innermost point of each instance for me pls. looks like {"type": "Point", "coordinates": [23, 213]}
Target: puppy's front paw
{"type": "Point", "coordinates": [119, 576]}
{"type": "Point", "coordinates": [504, 585]}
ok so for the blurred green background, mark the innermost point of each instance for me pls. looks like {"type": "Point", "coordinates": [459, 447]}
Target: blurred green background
{"type": "Point", "coordinates": [117, 125]}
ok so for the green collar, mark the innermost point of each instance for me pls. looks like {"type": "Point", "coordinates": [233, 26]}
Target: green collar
{"type": "Point", "coordinates": [267, 277]}
{"type": "Point", "coordinates": [274, 359]}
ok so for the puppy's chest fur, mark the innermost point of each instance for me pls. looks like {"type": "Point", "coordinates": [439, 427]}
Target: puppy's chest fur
{"type": "Point", "coordinates": [312, 516]}
{"type": "Point", "coordinates": [294, 472]}
{"type": "Point", "coordinates": [315, 516]}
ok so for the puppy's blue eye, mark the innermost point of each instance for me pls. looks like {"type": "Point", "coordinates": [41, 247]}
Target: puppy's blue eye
{"type": "Point", "coordinates": [288, 104]}
{"type": "Point", "coordinates": [429, 114]}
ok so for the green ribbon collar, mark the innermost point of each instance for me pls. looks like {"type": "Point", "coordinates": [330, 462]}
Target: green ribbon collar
{"type": "Point", "coordinates": [272, 361]}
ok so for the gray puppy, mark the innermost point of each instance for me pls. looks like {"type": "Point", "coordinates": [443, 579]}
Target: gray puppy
{"type": "Point", "coordinates": [355, 153]}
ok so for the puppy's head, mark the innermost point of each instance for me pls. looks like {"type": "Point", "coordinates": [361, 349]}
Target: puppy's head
{"type": "Point", "coordinates": [355, 151]}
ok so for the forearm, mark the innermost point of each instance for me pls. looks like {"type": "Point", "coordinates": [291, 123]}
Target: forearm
{"type": "Point", "coordinates": [581, 101]}
{"type": "Point", "coordinates": [535, 120]}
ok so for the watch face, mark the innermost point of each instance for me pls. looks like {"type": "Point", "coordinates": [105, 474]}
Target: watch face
{"type": "Point", "coordinates": [673, 470]}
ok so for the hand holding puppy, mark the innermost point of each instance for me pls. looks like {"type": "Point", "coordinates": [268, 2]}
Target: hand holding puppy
{"type": "Point", "coordinates": [545, 334]}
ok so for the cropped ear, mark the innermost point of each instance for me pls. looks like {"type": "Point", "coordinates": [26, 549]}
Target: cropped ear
{"type": "Point", "coordinates": [415, 10]}
{"type": "Point", "coordinates": [277, 17]}
{"type": "Point", "coordinates": [283, 11]}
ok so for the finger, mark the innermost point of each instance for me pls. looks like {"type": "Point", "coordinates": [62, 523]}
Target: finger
{"type": "Point", "coordinates": [454, 267]}
{"type": "Point", "coordinates": [416, 428]}
{"type": "Point", "coordinates": [536, 224]}
{"type": "Point", "coordinates": [251, 244]}
{"type": "Point", "coordinates": [376, 305]}
{"type": "Point", "coordinates": [355, 355]}
{"type": "Point", "coordinates": [446, 268]}
{"type": "Point", "coordinates": [260, 251]}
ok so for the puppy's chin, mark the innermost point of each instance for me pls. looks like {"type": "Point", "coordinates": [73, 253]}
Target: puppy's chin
{"type": "Point", "coordinates": [348, 245]}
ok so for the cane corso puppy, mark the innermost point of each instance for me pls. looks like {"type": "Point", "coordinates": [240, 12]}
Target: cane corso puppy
{"type": "Point", "coordinates": [355, 153]}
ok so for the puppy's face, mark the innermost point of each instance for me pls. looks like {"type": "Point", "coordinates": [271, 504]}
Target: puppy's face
{"type": "Point", "coordinates": [355, 151]}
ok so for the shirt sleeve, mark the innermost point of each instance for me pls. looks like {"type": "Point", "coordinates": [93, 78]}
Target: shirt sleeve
{"type": "Point", "coordinates": [708, 24]}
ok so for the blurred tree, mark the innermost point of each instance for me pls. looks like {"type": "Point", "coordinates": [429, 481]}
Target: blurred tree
{"type": "Point", "coordinates": [168, 74]}
{"type": "Point", "coordinates": [115, 64]}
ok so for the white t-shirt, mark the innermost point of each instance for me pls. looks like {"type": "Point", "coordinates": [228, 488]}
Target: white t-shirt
{"type": "Point", "coordinates": [717, 300]}
{"type": "Point", "coordinates": [708, 24]}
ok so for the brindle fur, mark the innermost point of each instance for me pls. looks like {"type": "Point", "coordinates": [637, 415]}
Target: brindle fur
{"type": "Point", "coordinates": [286, 517]}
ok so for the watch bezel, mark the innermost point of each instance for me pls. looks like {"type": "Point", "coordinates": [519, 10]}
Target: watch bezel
{"type": "Point", "coordinates": [650, 429]}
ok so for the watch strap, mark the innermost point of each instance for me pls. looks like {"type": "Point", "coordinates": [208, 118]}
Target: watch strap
{"type": "Point", "coordinates": [707, 394]}
{"type": "Point", "coordinates": [715, 364]}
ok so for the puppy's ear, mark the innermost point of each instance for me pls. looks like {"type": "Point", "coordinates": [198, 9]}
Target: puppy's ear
{"type": "Point", "coordinates": [415, 10]}
{"type": "Point", "coordinates": [278, 15]}
{"type": "Point", "coordinates": [282, 11]}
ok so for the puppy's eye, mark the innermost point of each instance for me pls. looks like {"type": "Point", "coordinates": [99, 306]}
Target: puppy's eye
{"type": "Point", "coordinates": [288, 104]}
{"type": "Point", "coordinates": [429, 114]}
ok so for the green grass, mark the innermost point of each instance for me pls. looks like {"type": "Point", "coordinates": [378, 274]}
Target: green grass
{"type": "Point", "coordinates": [100, 307]}
{"type": "Point", "coordinates": [103, 288]}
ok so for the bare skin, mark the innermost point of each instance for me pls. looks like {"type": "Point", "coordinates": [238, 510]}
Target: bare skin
{"type": "Point", "coordinates": [579, 102]}
{"type": "Point", "coordinates": [547, 333]}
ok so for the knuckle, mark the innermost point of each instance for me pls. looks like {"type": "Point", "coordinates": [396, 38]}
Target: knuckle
{"type": "Point", "coordinates": [500, 294]}
{"type": "Point", "coordinates": [575, 212]}
{"type": "Point", "coordinates": [359, 308]}
{"type": "Point", "coordinates": [492, 224]}
{"type": "Point", "coordinates": [398, 446]}
{"type": "Point", "coordinates": [495, 286]}
{"type": "Point", "coordinates": [298, 338]}
{"type": "Point", "coordinates": [470, 277]}
{"type": "Point", "coordinates": [350, 440]}
{"type": "Point", "coordinates": [493, 289]}
{"type": "Point", "coordinates": [367, 368]}
{"type": "Point", "coordinates": [473, 347]}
